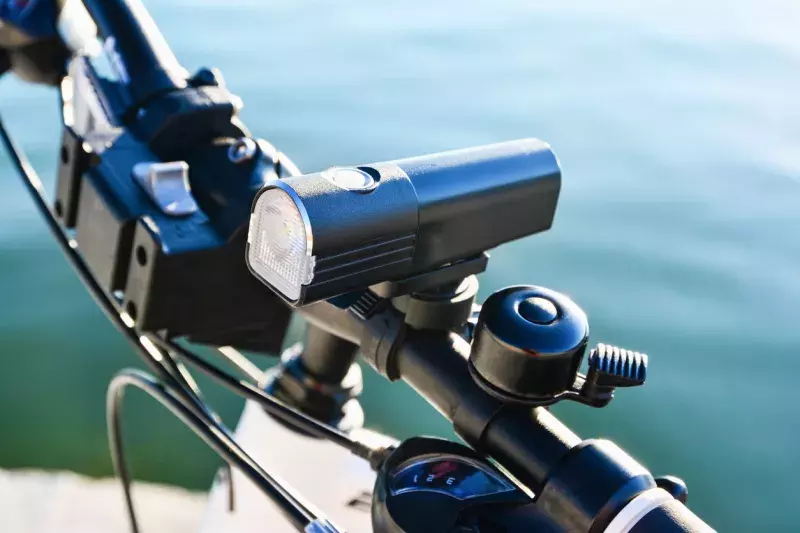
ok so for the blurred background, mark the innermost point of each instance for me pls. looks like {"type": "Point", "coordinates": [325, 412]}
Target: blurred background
{"type": "Point", "coordinates": [678, 127]}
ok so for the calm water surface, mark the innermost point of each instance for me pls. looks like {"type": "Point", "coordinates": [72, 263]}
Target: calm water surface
{"type": "Point", "coordinates": [678, 127]}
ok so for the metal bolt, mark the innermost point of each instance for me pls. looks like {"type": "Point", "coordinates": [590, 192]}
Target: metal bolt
{"type": "Point", "coordinates": [242, 150]}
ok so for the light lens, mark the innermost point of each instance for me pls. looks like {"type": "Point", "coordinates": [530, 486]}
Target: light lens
{"type": "Point", "coordinates": [280, 243]}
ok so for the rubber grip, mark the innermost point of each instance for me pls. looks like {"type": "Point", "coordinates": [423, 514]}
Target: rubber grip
{"type": "Point", "coordinates": [671, 517]}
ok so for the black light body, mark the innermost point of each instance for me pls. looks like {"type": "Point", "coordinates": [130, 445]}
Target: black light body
{"type": "Point", "coordinates": [390, 221]}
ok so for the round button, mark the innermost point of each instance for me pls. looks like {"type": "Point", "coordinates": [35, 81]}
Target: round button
{"type": "Point", "coordinates": [538, 310]}
{"type": "Point", "coordinates": [351, 179]}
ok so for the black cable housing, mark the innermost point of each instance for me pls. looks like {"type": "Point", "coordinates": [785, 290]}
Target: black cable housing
{"type": "Point", "coordinates": [270, 403]}
{"type": "Point", "coordinates": [215, 435]}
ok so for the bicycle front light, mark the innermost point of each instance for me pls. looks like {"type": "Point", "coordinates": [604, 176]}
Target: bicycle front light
{"type": "Point", "coordinates": [320, 235]}
{"type": "Point", "coordinates": [281, 242]}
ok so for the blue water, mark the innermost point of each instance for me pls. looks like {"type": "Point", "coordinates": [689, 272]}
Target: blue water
{"type": "Point", "coordinates": [678, 128]}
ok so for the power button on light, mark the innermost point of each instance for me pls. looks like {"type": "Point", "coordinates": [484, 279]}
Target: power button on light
{"type": "Point", "coordinates": [350, 179]}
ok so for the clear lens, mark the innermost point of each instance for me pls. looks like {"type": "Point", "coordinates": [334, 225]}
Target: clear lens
{"type": "Point", "coordinates": [280, 243]}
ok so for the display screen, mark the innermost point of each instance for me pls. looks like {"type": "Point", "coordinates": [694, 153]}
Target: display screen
{"type": "Point", "coordinates": [455, 476]}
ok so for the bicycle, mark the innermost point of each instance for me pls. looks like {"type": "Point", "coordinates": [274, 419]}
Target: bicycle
{"type": "Point", "coordinates": [379, 258]}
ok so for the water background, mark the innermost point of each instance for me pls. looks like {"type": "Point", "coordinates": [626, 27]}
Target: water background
{"type": "Point", "coordinates": [678, 127]}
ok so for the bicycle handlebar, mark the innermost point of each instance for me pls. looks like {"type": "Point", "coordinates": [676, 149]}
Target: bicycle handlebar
{"type": "Point", "coordinates": [581, 481]}
{"type": "Point", "coordinates": [147, 65]}
{"type": "Point", "coordinates": [670, 516]}
{"type": "Point", "coordinates": [530, 443]}
{"type": "Point", "coordinates": [536, 447]}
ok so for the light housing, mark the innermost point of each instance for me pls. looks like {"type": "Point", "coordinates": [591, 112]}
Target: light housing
{"type": "Point", "coordinates": [320, 235]}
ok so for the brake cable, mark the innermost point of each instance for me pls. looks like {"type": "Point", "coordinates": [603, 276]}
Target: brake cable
{"type": "Point", "coordinates": [216, 436]}
{"type": "Point", "coordinates": [273, 405]}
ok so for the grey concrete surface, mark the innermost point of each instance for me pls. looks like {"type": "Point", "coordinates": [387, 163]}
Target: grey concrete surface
{"type": "Point", "coordinates": [48, 502]}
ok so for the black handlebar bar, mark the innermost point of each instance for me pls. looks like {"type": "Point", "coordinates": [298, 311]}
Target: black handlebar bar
{"type": "Point", "coordinates": [530, 443]}
{"type": "Point", "coordinates": [148, 65]}
{"type": "Point", "coordinates": [670, 517]}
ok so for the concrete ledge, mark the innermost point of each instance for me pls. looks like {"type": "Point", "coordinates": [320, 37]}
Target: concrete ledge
{"type": "Point", "coordinates": [48, 502]}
